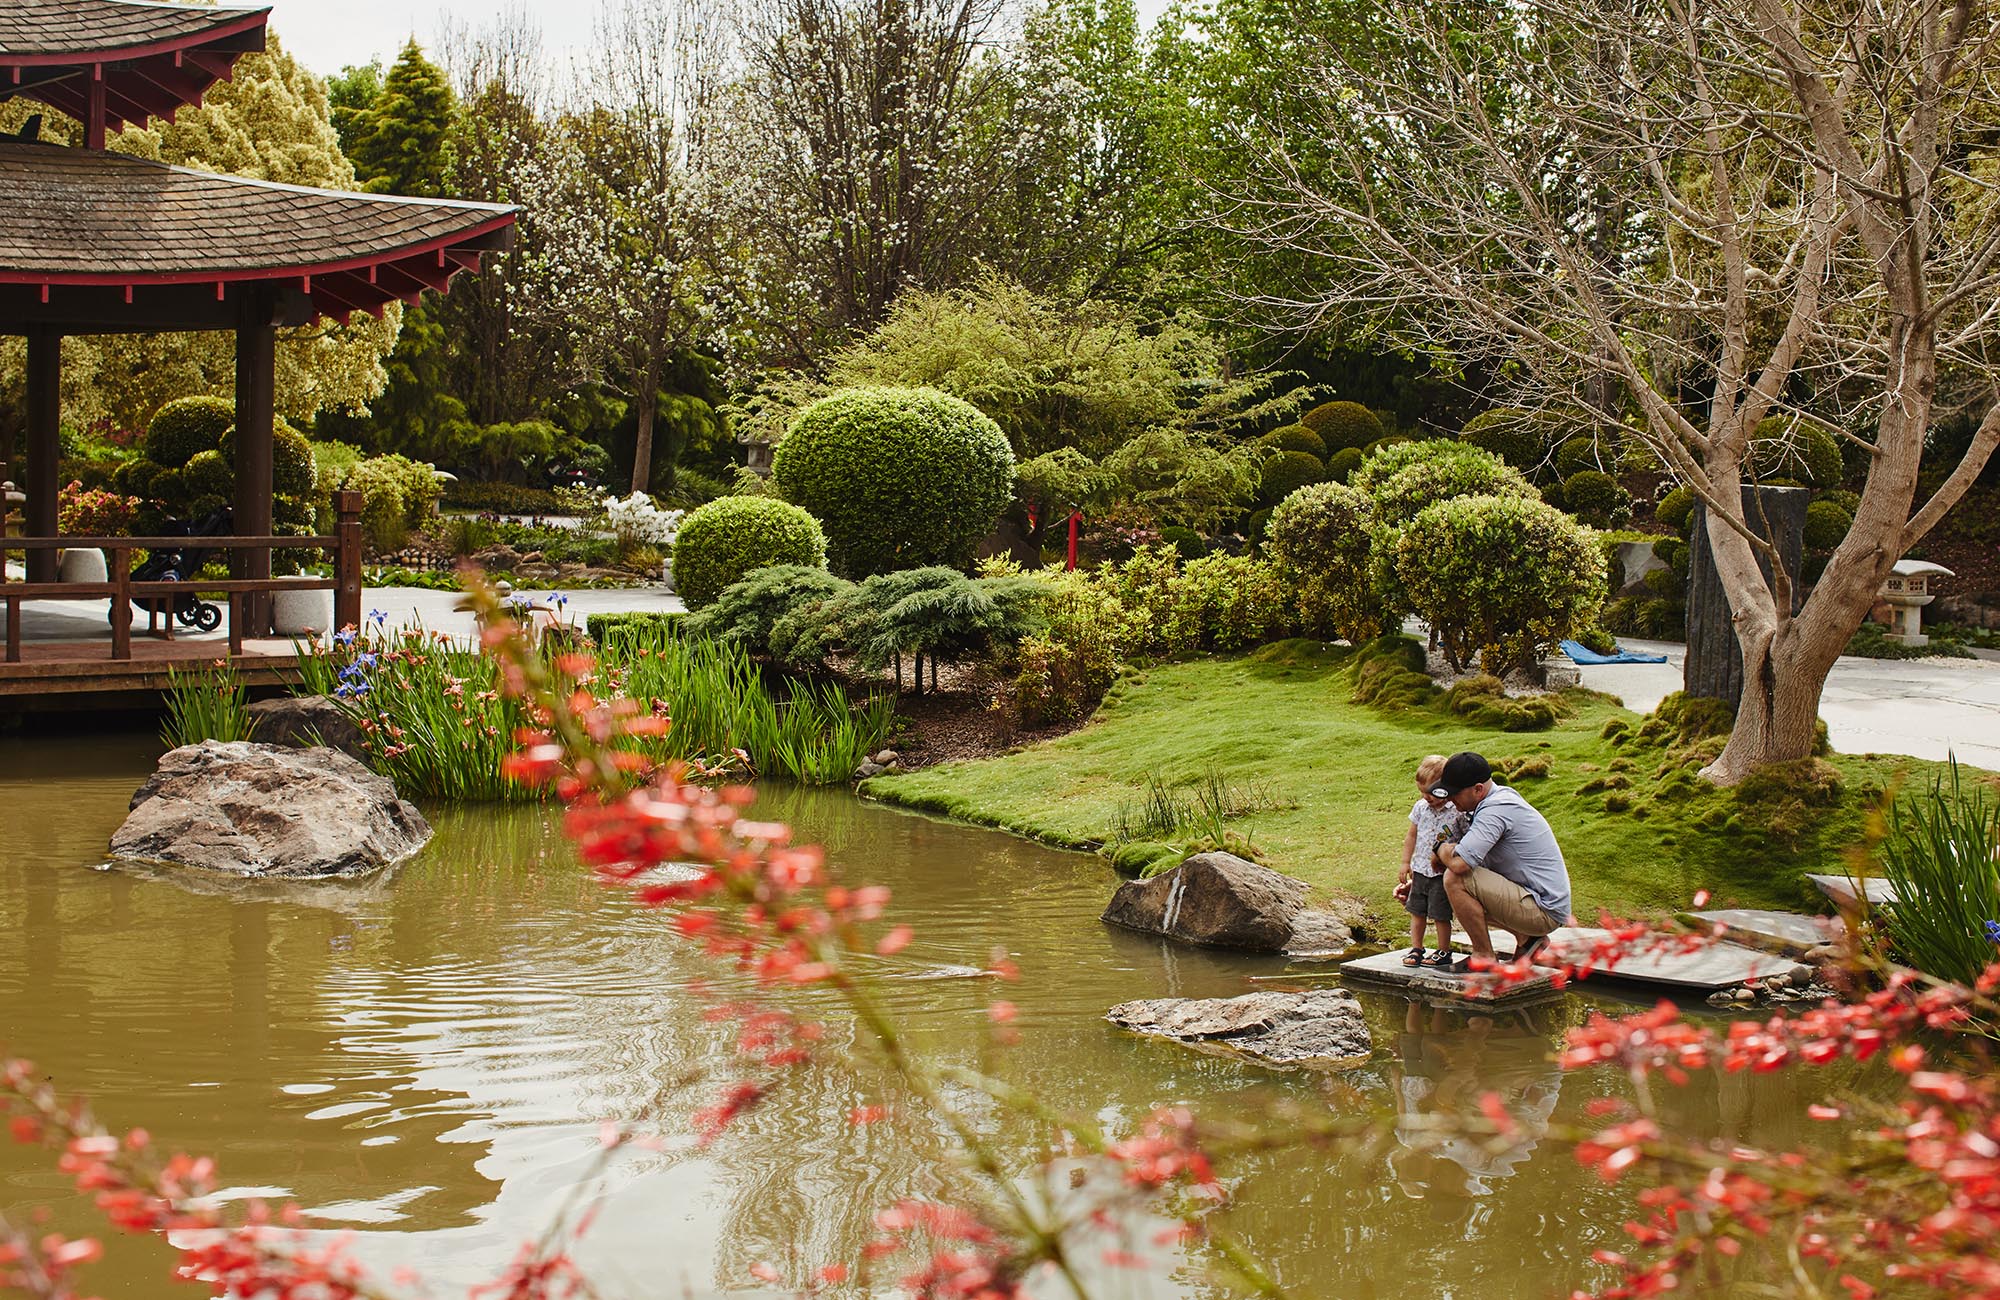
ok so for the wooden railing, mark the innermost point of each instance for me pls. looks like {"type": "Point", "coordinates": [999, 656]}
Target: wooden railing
{"type": "Point", "coordinates": [248, 603]}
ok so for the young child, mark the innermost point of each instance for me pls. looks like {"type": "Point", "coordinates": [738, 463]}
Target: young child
{"type": "Point", "coordinates": [1420, 887]}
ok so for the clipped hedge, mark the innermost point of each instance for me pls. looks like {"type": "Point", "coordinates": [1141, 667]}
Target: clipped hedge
{"type": "Point", "coordinates": [1341, 465]}
{"type": "Point", "coordinates": [607, 629]}
{"type": "Point", "coordinates": [1343, 424]}
{"type": "Point", "coordinates": [1503, 577]}
{"type": "Point", "coordinates": [1285, 473]}
{"type": "Point", "coordinates": [727, 538]}
{"type": "Point", "coordinates": [1514, 435]}
{"type": "Point", "coordinates": [1788, 448]}
{"type": "Point", "coordinates": [1296, 437]}
{"type": "Point", "coordinates": [1827, 523]}
{"type": "Point", "coordinates": [293, 473]}
{"type": "Point", "coordinates": [899, 477]}
{"type": "Point", "coordinates": [1676, 509]}
{"type": "Point", "coordinates": [1319, 539]}
{"type": "Point", "coordinates": [1596, 498]}
{"type": "Point", "coordinates": [185, 427]}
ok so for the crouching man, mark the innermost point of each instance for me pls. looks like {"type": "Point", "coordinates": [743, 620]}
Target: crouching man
{"type": "Point", "coordinates": [1507, 872]}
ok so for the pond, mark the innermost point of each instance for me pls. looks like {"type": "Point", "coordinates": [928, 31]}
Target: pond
{"type": "Point", "coordinates": [426, 1061]}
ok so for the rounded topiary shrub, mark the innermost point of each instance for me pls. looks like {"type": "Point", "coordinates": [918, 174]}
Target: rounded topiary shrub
{"type": "Point", "coordinates": [1576, 455]}
{"type": "Point", "coordinates": [1596, 498]}
{"type": "Point", "coordinates": [1343, 424]}
{"type": "Point", "coordinates": [1296, 437]}
{"type": "Point", "coordinates": [900, 477]}
{"type": "Point", "coordinates": [1676, 509]}
{"type": "Point", "coordinates": [1286, 472]}
{"type": "Point", "coordinates": [1446, 471]}
{"type": "Point", "coordinates": [1319, 537]}
{"type": "Point", "coordinates": [293, 473]}
{"type": "Point", "coordinates": [731, 536]}
{"type": "Point", "coordinates": [1513, 435]}
{"type": "Point", "coordinates": [186, 427]}
{"type": "Point", "coordinates": [1341, 465]}
{"type": "Point", "coordinates": [1186, 541]}
{"type": "Point", "coordinates": [1799, 450]}
{"type": "Point", "coordinates": [1503, 577]}
{"type": "Point", "coordinates": [209, 474]}
{"type": "Point", "coordinates": [1827, 523]}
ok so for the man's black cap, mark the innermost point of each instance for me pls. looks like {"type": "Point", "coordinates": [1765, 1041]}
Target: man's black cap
{"type": "Point", "coordinates": [1462, 771]}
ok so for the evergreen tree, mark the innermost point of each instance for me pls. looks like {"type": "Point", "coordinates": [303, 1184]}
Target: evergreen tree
{"type": "Point", "coordinates": [351, 93]}
{"type": "Point", "coordinates": [399, 144]}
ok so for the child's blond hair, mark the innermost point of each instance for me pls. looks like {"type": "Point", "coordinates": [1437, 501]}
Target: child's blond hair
{"type": "Point", "coordinates": [1429, 769]}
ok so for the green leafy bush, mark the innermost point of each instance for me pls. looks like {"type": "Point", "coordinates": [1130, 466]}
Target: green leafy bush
{"type": "Point", "coordinates": [899, 477]}
{"type": "Point", "coordinates": [185, 427]}
{"type": "Point", "coordinates": [1229, 602]}
{"type": "Point", "coordinates": [1790, 448]}
{"type": "Point", "coordinates": [1341, 465]}
{"type": "Point", "coordinates": [1184, 478]}
{"type": "Point", "coordinates": [1676, 509]}
{"type": "Point", "coordinates": [209, 474]}
{"type": "Point", "coordinates": [1576, 455]}
{"type": "Point", "coordinates": [724, 540]}
{"type": "Point", "coordinates": [616, 630]}
{"type": "Point", "coordinates": [1442, 471]}
{"type": "Point", "coordinates": [502, 499]}
{"type": "Point", "coordinates": [1060, 673]}
{"type": "Point", "coordinates": [1505, 577]}
{"type": "Point", "coordinates": [1296, 437]}
{"type": "Point", "coordinates": [1514, 435]}
{"type": "Point", "coordinates": [1827, 523]}
{"type": "Point", "coordinates": [1597, 498]}
{"type": "Point", "coordinates": [1286, 472]}
{"type": "Point", "coordinates": [397, 494]}
{"type": "Point", "coordinates": [1185, 540]}
{"type": "Point", "coordinates": [1319, 539]}
{"type": "Point", "coordinates": [1343, 424]}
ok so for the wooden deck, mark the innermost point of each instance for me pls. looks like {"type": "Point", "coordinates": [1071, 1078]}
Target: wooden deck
{"type": "Point", "coordinates": [80, 674]}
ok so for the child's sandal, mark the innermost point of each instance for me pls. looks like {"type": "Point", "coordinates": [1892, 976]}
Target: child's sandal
{"type": "Point", "coordinates": [1442, 957]}
{"type": "Point", "coordinates": [1414, 957]}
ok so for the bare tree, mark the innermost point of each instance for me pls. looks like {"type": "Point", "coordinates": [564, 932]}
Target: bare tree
{"type": "Point", "coordinates": [867, 137]}
{"type": "Point", "coordinates": [1803, 192]}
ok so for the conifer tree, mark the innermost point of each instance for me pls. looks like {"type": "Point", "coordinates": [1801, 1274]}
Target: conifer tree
{"type": "Point", "coordinates": [400, 143]}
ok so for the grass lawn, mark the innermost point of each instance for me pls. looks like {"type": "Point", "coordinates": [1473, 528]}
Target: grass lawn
{"type": "Point", "coordinates": [1337, 780]}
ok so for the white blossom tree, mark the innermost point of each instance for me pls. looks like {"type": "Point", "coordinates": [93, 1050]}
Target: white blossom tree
{"type": "Point", "coordinates": [1685, 217]}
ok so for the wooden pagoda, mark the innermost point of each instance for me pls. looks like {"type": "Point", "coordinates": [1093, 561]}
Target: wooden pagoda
{"type": "Point", "coordinates": [94, 242]}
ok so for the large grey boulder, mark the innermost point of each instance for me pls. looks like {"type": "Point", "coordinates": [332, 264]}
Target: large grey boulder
{"type": "Point", "coordinates": [270, 812]}
{"type": "Point", "coordinates": [303, 721]}
{"type": "Point", "coordinates": [1218, 900]}
{"type": "Point", "coordinates": [1317, 1027]}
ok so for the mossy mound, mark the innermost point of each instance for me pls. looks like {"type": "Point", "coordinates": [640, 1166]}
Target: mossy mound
{"type": "Point", "coordinates": [1389, 674]}
{"type": "Point", "coordinates": [1483, 701]}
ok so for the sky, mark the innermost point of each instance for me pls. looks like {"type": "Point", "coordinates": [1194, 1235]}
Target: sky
{"type": "Point", "coordinates": [328, 35]}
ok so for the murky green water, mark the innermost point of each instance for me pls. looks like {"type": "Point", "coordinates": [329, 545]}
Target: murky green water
{"type": "Point", "coordinates": [426, 1060]}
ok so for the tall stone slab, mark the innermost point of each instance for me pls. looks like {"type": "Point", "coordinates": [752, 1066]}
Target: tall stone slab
{"type": "Point", "coordinates": [1714, 668]}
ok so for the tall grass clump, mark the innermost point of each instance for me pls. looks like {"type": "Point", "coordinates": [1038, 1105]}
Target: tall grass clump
{"type": "Point", "coordinates": [440, 726]}
{"type": "Point", "coordinates": [1939, 854]}
{"type": "Point", "coordinates": [205, 703]}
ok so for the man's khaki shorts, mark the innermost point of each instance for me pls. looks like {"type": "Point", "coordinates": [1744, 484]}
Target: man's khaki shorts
{"type": "Point", "coordinates": [1508, 905]}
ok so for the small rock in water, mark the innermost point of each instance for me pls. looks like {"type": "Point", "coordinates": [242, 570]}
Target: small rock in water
{"type": "Point", "coordinates": [1319, 1027]}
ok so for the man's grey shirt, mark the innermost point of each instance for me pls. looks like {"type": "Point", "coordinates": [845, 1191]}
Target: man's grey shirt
{"type": "Point", "coordinates": [1508, 837]}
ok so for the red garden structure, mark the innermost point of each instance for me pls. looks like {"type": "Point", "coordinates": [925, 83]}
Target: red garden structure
{"type": "Point", "coordinates": [95, 242]}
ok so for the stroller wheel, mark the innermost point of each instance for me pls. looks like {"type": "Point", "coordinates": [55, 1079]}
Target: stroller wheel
{"type": "Point", "coordinates": [207, 617]}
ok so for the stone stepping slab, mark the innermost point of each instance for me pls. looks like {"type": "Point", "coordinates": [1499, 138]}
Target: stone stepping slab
{"type": "Point", "coordinates": [1386, 971]}
{"type": "Point", "coordinates": [1719, 965]}
{"type": "Point", "coordinates": [1321, 1028]}
{"type": "Point", "coordinates": [1841, 889]}
{"type": "Point", "coordinates": [1785, 932]}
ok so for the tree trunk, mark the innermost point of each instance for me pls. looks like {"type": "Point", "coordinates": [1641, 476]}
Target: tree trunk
{"type": "Point", "coordinates": [1777, 719]}
{"type": "Point", "coordinates": [642, 445]}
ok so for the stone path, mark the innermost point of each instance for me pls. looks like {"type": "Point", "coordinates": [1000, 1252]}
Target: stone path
{"type": "Point", "coordinates": [1786, 932]}
{"type": "Point", "coordinates": [1926, 708]}
{"type": "Point", "coordinates": [1719, 965]}
{"type": "Point", "coordinates": [1386, 971]}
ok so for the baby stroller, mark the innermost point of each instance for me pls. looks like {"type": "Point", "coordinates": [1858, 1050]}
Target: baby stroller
{"type": "Point", "coordinates": [182, 565]}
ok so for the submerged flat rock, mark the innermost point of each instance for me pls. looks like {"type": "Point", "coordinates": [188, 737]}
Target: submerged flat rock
{"type": "Point", "coordinates": [1317, 1027]}
{"type": "Point", "coordinates": [268, 811]}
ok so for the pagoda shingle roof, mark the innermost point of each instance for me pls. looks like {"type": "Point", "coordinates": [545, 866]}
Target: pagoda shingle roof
{"type": "Point", "coordinates": [77, 217]}
{"type": "Point", "coordinates": [105, 28]}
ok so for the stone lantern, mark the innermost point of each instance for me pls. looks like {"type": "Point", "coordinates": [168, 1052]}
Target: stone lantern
{"type": "Point", "coordinates": [1907, 590]}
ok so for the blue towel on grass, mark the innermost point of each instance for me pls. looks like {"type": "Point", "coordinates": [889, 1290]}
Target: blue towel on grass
{"type": "Point", "coordinates": [1579, 653]}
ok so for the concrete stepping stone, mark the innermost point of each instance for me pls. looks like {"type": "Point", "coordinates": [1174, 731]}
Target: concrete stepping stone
{"type": "Point", "coordinates": [1721, 965]}
{"type": "Point", "coordinates": [1464, 990]}
{"type": "Point", "coordinates": [1785, 932]}
{"type": "Point", "coordinates": [1841, 889]}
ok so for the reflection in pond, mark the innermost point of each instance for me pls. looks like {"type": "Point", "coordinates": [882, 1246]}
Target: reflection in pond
{"type": "Point", "coordinates": [426, 1060]}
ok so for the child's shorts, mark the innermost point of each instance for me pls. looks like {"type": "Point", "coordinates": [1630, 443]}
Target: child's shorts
{"type": "Point", "coordinates": [1427, 898]}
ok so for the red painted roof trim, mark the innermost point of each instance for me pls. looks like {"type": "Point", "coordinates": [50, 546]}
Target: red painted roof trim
{"type": "Point", "coordinates": [402, 253]}
{"type": "Point", "coordinates": [118, 54]}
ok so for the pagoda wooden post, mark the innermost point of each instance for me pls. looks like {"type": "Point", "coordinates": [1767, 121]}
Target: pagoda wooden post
{"type": "Point", "coordinates": [256, 401]}
{"type": "Point", "coordinates": [95, 115]}
{"type": "Point", "coordinates": [44, 448]}
{"type": "Point", "coordinates": [1714, 666]}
